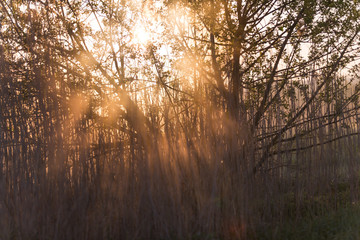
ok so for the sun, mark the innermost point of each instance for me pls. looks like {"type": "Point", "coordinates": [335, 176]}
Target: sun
{"type": "Point", "coordinates": [141, 36]}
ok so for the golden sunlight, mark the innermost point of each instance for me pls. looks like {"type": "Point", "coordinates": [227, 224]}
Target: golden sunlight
{"type": "Point", "coordinates": [141, 36]}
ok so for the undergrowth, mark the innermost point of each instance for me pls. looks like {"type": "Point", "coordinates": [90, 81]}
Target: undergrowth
{"type": "Point", "coordinates": [343, 223]}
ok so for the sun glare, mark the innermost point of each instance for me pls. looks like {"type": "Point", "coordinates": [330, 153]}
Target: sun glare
{"type": "Point", "coordinates": [140, 36]}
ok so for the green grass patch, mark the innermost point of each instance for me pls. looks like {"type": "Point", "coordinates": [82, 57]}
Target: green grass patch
{"type": "Point", "coordinates": [341, 224]}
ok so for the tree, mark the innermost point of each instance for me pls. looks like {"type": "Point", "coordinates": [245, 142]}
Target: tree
{"type": "Point", "coordinates": [255, 52]}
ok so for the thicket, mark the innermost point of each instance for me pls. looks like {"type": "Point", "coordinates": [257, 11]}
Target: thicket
{"type": "Point", "coordinates": [226, 118]}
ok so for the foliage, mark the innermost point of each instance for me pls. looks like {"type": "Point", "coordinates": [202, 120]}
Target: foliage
{"type": "Point", "coordinates": [175, 119]}
{"type": "Point", "coordinates": [342, 224]}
